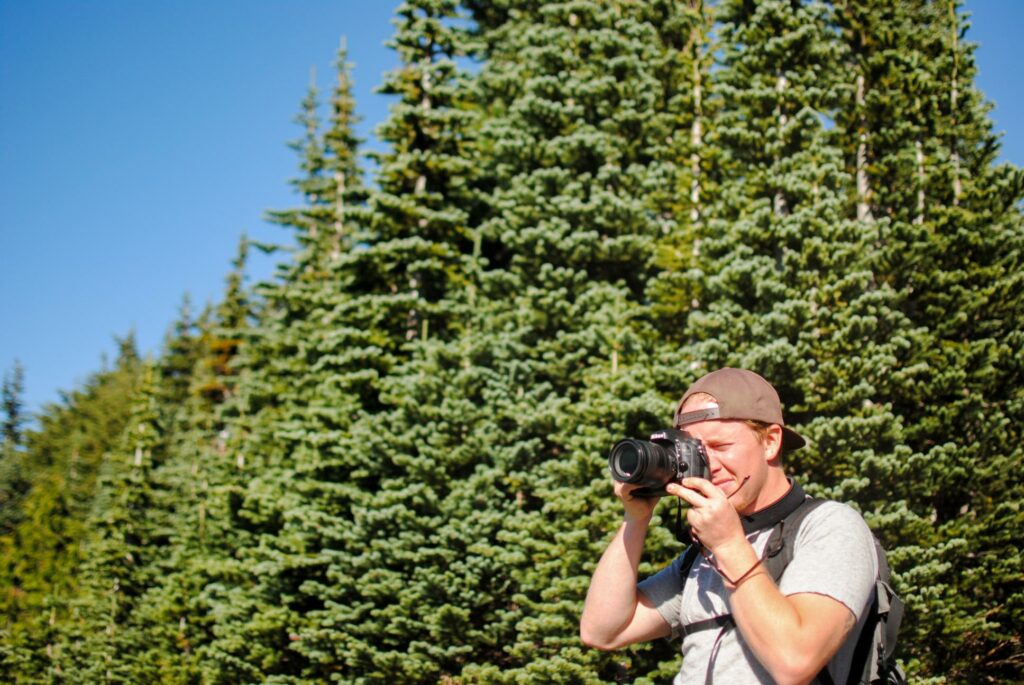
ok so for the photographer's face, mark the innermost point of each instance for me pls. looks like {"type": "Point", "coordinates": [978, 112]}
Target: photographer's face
{"type": "Point", "coordinates": [736, 454]}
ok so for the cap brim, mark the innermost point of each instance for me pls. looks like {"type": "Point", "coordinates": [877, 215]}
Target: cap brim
{"type": "Point", "coordinates": [791, 440]}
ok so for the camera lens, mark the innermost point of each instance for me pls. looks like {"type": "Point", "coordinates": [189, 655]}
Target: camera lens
{"type": "Point", "coordinates": [628, 460]}
{"type": "Point", "coordinates": [640, 461]}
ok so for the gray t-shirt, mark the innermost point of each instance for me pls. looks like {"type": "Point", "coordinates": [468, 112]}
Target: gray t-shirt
{"type": "Point", "coordinates": [834, 555]}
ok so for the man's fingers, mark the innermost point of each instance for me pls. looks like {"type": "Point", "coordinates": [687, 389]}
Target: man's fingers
{"type": "Point", "coordinates": [688, 495]}
{"type": "Point", "coordinates": [703, 486]}
{"type": "Point", "coordinates": [625, 490]}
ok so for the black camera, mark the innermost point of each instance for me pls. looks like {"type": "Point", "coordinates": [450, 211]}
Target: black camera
{"type": "Point", "coordinates": [669, 456]}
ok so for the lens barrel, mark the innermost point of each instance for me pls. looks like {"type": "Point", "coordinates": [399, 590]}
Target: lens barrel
{"type": "Point", "coordinates": [640, 462]}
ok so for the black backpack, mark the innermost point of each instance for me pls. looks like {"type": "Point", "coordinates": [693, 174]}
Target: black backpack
{"type": "Point", "coordinates": [874, 659]}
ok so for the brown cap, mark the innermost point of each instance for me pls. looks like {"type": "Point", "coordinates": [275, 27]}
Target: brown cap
{"type": "Point", "coordinates": [740, 395]}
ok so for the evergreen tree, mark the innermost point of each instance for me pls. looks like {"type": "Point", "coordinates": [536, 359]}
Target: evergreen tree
{"type": "Point", "coordinates": [181, 349]}
{"type": "Point", "coordinates": [168, 617]}
{"type": "Point", "coordinates": [280, 419]}
{"type": "Point", "coordinates": [571, 143]}
{"type": "Point", "coordinates": [13, 405]}
{"type": "Point", "coordinates": [950, 242]}
{"type": "Point", "coordinates": [173, 612]}
{"type": "Point", "coordinates": [403, 289]}
{"type": "Point", "coordinates": [41, 557]}
{"type": "Point", "coordinates": [785, 283]}
{"type": "Point", "coordinates": [13, 481]}
{"type": "Point", "coordinates": [127, 619]}
{"type": "Point", "coordinates": [100, 643]}
{"type": "Point", "coordinates": [689, 56]}
{"type": "Point", "coordinates": [216, 376]}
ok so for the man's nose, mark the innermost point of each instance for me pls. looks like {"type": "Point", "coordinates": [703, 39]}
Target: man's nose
{"type": "Point", "coordinates": [714, 463]}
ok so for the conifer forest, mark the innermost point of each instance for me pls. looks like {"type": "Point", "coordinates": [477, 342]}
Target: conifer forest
{"type": "Point", "coordinates": [387, 463]}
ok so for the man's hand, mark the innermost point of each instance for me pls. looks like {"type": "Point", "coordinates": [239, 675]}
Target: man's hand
{"type": "Point", "coordinates": [637, 509]}
{"type": "Point", "coordinates": [711, 516]}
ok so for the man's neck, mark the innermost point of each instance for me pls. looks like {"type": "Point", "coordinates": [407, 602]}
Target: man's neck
{"type": "Point", "coordinates": [768, 516]}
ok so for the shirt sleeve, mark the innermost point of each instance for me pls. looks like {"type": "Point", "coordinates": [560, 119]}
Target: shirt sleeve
{"type": "Point", "coordinates": [834, 555]}
{"type": "Point", "coordinates": [663, 590]}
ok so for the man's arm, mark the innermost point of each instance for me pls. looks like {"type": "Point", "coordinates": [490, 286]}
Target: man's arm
{"type": "Point", "coordinates": [615, 614]}
{"type": "Point", "coordinates": [792, 636]}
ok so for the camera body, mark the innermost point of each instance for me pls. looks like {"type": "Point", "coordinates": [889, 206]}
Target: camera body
{"type": "Point", "coordinates": [669, 456]}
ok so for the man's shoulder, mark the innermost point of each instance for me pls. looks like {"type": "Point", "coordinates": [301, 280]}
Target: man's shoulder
{"type": "Point", "coordinates": [835, 540]}
{"type": "Point", "coordinates": [833, 515]}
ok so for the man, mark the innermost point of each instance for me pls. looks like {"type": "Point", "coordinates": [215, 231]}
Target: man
{"type": "Point", "coordinates": [785, 633]}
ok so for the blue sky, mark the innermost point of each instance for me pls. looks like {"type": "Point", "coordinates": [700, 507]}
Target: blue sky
{"type": "Point", "coordinates": [139, 140]}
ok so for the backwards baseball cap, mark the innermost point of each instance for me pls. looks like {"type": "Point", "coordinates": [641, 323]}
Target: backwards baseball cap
{"type": "Point", "coordinates": [742, 395]}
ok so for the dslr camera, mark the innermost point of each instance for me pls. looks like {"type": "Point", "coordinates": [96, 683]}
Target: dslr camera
{"type": "Point", "coordinates": [669, 456]}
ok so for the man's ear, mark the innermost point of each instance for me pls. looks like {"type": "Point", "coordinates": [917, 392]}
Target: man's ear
{"type": "Point", "coordinates": [773, 444]}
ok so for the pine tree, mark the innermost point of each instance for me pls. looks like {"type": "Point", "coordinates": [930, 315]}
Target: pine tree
{"type": "Point", "coordinates": [967, 291]}
{"type": "Point", "coordinates": [194, 380]}
{"type": "Point", "coordinates": [215, 376]}
{"type": "Point", "coordinates": [787, 284]}
{"type": "Point", "coordinates": [100, 643]}
{"type": "Point", "coordinates": [173, 614]}
{"type": "Point", "coordinates": [950, 244]}
{"type": "Point", "coordinates": [132, 605]}
{"type": "Point", "coordinates": [689, 57]}
{"type": "Point", "coordinates": [13, 405]}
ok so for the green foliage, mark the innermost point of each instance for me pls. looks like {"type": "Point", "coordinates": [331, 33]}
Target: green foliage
{"type": "Point", "coordinates": [13, 406]}
{"type": "Point", "coordinates": [387, 463]}
{"type": "Point", "coordinates": [13, 481]}
{"type": "Point", "coordinates": [949, 243]}
{"type": "Point", "coordinates": [40, 556]}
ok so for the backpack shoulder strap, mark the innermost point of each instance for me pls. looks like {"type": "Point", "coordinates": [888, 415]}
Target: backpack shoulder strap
{"type": "Point", "coordinates": [777, 554]}
{"type": "Point", "coordinates": [778, 551]}
{"type": "Point", "coordinates": [874, 658]}
{"type": "Point", "coordinates": [886, 608]}
{"type": "Point", "coordinates": [689, 556]}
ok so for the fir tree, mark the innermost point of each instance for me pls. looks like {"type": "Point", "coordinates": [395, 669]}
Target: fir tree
{"type": "Point", "coordinates": [129, 619]}
{"type": "Point", "coordinates": [42, 555]}
{"type": "Point", "coordinates": [689, 50]}
{"type": "Point", "coordinates": [573, 145]}
{"type": "Point", "coordinates": [215, 376]}
{"type": "Point", "coordinates": [13, 481]}
{"type": "Point", "coordinates": [280, 418]}
{"type": "Point", "coordinates": [405, 289]}
{"type": "Point", "coordinates": [176, 611]}
{"type": "Point", "coordinates": [950, 242]}
{"type": "Point", "coordinates": [101, 644]}
{"type": "Point", "coordinates": [169, 613]}
{"type": "Point", "coordinates": [13, 405]}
